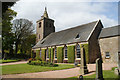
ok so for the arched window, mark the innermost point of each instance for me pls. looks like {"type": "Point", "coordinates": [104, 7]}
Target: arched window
{"type": "Point", "coordinates": [55, 53]}
{"type": "Point", "coordinates": [40, 53]}
{"type": "Point", "coordinates": [39, 24]}
{"type": "Point", "coordinates": [47, 54]}
{"type": "Point", "coordinates": [66, 52]}
{"type": "Point", "coordinates": [78, 51]}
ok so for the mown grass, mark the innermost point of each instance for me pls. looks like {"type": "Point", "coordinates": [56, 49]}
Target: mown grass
{"type": "Point", "coordinates": [26, 68]}
{"type": "Point", "coordinates": [9, 60]}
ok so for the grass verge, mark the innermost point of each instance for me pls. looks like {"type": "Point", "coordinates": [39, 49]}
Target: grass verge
{"type": "Point", "coordinates": [8, 61]}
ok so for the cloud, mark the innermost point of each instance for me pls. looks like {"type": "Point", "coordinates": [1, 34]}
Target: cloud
{"type": "Point", "coordinates": [66, 14]}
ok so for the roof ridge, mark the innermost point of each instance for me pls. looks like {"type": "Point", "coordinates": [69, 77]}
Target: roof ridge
{"type": "Point", "coordinates": [111, 26]}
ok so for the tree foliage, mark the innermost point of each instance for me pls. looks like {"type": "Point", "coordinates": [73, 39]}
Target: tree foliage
{"type": "Point", "coordinates": [22, 29]}
{"type": "Point", "coordinates": [7, 35]}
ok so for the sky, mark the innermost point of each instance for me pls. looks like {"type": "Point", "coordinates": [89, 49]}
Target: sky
{"type": "Point", "coordinates": [70, 13]}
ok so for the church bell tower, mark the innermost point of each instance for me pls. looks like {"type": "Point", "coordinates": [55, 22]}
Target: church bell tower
{"type": "Point", "coordinates": [44, 27]}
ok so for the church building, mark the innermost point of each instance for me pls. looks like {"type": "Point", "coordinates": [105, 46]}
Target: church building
{"type": "Point", "coordinates": [65, 46]}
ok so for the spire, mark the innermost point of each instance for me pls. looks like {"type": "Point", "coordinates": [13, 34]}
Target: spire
{"type": "Point", "coordinates": [45, 13]}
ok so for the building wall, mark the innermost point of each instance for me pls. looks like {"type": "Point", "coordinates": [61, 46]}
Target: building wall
{"type": "Point", "coordinates": [94, 49]}
{"type": "Point", "coordinates": [109, 45]}
{"type": "Point", "coordinates": [47, 27]}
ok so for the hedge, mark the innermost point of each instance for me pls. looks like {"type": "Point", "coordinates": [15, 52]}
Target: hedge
{"type": "Point", "coordinates": [43, 55]}
{"type": "Point", "coordinates": [37, 54]}
{"type": "Point", "coordinates": [52, 54]}
{"type": "Point", "coordinates": [86, 52]}
{"type": "Point", "coordinates": [71, 54]}
{"type": "Point", "coordinates": [60, 54]}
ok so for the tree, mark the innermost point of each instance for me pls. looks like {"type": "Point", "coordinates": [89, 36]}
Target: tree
{"type": "Point", "coordinates": [7, 35]}
{"type": "Point", "coordinates": [22, 29]}
{"type": "Point", "coordinates": [27, 44]}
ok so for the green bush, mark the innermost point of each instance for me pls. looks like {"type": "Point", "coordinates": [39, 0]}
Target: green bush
{"type": "Point", "coordinates": [37, 55]}
{"type": "Point", "coordinates": [52, 54]}
{"type": "Point", "coordinates": [60, 54]}
{"type": "Point", "coordinates": [43, 55]}
{"type": "Point", "coordinates": [42, 63]}
{"type": "Point", "coordinates": [86, 52]}
{"type": "Point", "coordinates": [71, 54]}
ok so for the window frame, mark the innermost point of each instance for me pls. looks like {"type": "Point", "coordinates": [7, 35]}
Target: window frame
{"type": "Point", "coordinates": [55, 53]}
{"type": "Point", "coordinates": [107, 56]}
{"type": "Point", "coordinates": [47, 54]}
{"type": "Point", "coordinates": [77, 51]}
{"type": "Point", "coordinates": [65, 50]}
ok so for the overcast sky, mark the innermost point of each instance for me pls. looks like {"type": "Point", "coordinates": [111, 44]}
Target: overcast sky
{"type": "Point", "coordinates": [68, 14]}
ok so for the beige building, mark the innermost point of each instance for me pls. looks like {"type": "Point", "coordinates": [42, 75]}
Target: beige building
{"type": "Point", "coordinates": [65, 46]}
{"type": "Point", "coordinates": [109, 41]}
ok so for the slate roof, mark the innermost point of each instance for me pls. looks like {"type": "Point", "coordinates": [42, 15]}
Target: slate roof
{"type": "Point", "coordinates": [110, 32]}
{"type": "Point", "coordinates": [68, 35]}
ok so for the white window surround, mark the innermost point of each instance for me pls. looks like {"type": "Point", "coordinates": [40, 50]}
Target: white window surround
{"type": "Point", "coordinates": [78, 56]}
{"type": "Point", "coordinates": [56, 54]}
{"type": "Point", "coordinates": [47, 54]}
{"type": "Point", "coordinates": [65, 48]}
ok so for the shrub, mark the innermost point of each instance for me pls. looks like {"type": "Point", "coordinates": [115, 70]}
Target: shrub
{"type": "Point", "coordinates": [43, 55]}
{"type": "Point", "coordinates": [37, 55]}
{"type": "Point", "coordinates": [49, 54]}
{"type": "Point", "coordinates": [71, 54]}
{"type": "Point", "coordinates": [42, 63]}
{"type": "Point", "coordinates": [52, 54]}
{"type": "Point", "coordinates": [60, 55]}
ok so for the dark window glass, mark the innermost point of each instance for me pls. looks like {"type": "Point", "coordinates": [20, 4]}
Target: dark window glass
{"type": "Point", "coordinates": [39, 36]}
{"type": "Point", "coordinates": [39, 24]}
{"type": "Point", "coordinates": [107, 55]}
{"type": "Point", "coordinates": [78, 36]}
{"type": "Point", "coordinates": [66, 52]}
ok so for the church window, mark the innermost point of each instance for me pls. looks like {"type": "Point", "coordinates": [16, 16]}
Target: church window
{"type": "Point", "coordinates": [77, 36]}
{"type": "Point", "coordinates": [55, 53]}
{"type": "Point", "coordinates": [47, 53]}
{"type": "Point", "coordinates": [107, 55]}
{"type": "Point", "coordinates": [39, 24]}
{"type": "Point", "coordinates": [65, 52]}
{"type": "Point", "coordinates": [40, 53]}
{"type": "Point", "coordinates": [78, 51]}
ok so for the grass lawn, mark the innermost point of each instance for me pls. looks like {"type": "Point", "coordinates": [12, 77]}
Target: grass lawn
{"type": "Point", "coordinates": [107, 75]}
{"type": "Point", "coordinates": [25, 68]}
{"type": "Point", "coordinates": [9, 60]}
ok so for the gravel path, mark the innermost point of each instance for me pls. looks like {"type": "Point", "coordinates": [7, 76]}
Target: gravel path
{"type": "Point", "coordinates": [59, 73]}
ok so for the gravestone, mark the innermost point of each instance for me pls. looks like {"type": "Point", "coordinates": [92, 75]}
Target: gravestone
{"type": "Point", "coordinates": [83, 66]}
{"type": "Point", "coordinates": [119, 61]}
{"type": "Point", "coordinates": [99, 73]}
{"type": "Point", "coordinates": [117, 70]}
